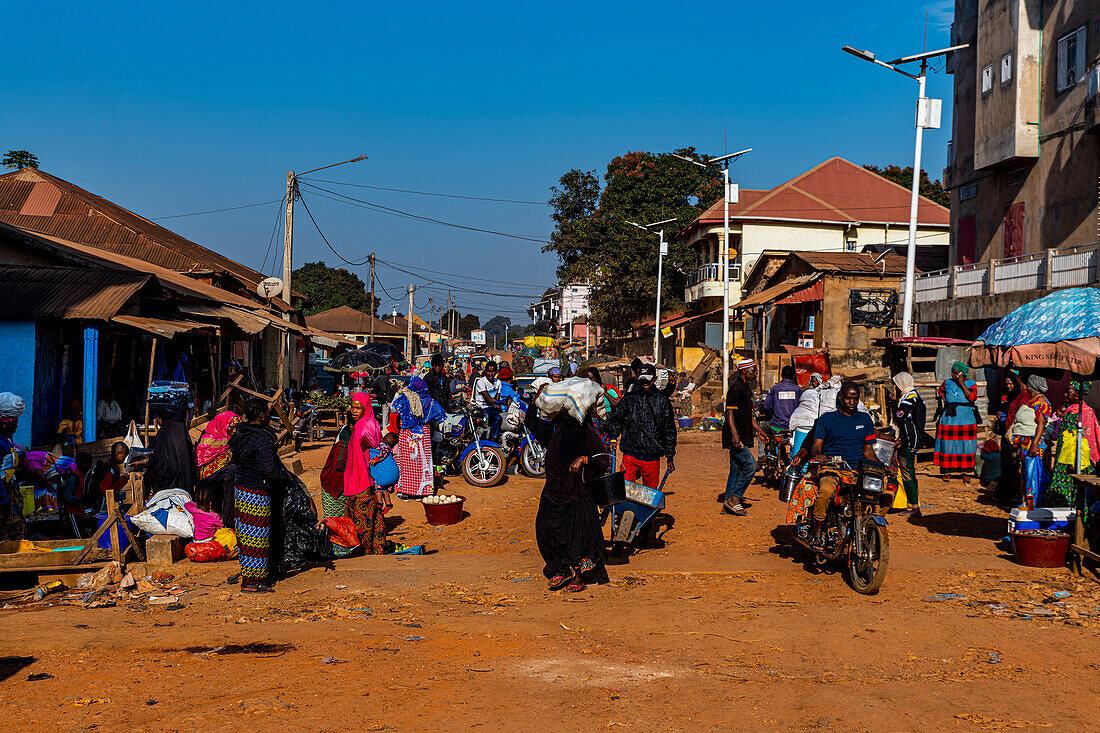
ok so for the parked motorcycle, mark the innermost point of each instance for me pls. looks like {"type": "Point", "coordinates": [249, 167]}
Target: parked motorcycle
{"type": "Point", "coordinates": [853, 529]}
{"type": "Point", "coordinates": [518, 443]}
{"type": "Point", "coordinates": [461, 445]}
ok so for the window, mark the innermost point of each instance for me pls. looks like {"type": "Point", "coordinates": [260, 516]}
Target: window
{"type": "Point", "coordinates": [968, 192]}
{"type": "Point", "coordinates": [1071, 59]}
{"type": "Point", "coordinates": [1006, 68]}
{"type": "Point", "coordinates": [850, 245]}
{"type": "Point", "coordinates": [987, 79]}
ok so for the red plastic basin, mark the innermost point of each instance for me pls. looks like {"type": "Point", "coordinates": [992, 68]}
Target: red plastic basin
{"type": "Point", "coordinates": [444, 513]}
{"type": "Point", "coordinates": [1040, 551]}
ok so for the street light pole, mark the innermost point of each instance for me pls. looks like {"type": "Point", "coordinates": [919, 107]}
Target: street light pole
{"type": "Point", "coordinates": [925, 118]}
{"type": "Point", "coordinates": [661, 252]}
{"type": "Point", "coordinates": [724, 251]}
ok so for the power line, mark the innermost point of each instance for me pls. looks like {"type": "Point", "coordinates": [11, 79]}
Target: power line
{"type": "Point", "coordinates": [398, 212]}
{"type": "Point", "coordinates": [214, 211]}
{"type": "Point", "coordinates": [429, 193]}
{"type": "Point", "coordinates": [270, 242]}
{"type": "Point", "coordinates": [462, 277]}
{"type": "Point", "coordinates": [457, 288]}
{"type": "Point", "coordinates": [344, 259]}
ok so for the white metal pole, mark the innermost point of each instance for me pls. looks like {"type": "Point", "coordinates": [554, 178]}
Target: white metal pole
{"type": "Point", "coordinates": [911, 252]}
{"type": "Point", "coordinates": [660, 272]}
{"type": "Point", "coordinates": [724, 251]}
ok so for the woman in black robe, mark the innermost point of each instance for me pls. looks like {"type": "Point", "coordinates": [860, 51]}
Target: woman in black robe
{"type": "Point", "coordinates": [567, 526]}
{"type": "Point", "coordinates": [172, 465]}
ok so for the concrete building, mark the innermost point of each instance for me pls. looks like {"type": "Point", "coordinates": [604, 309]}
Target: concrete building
{"type": "Point", "coordinates": [1024, 161]}
{"type": "Point", "coordinates": [564, 305]}
{"type": "Point", "coordinates": [836, 206]}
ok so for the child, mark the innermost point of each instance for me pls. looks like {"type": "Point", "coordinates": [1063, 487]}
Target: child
{"type": "Point", "coordinates": [207, 522]}
{"type": "Point", "coordinates": [384, 494]}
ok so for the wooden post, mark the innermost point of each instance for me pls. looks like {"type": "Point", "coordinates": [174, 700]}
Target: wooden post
{"type": "Point", "coordinates": [991, 277]}
{"type": "Point", "coordinates": [152, 362]}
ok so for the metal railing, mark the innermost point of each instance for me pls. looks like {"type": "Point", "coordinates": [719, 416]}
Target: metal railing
{"type": "Point", "coordinates": [1049, 270]}
{"type": "Point", "coordinates": [712, 272]}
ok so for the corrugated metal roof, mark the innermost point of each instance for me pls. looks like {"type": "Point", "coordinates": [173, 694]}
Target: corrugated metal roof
{"type": "Point", "coordinates": [29, 292]}
{"type": "Point", "coordinates": [345, 319]}
{"type": "Point", "coordinates": [247, 321]}
{"type": "Point", "coordinates": [853, 262]}
{"type": "Point", "coordinates": [836, 190]}
{"type": "Point", "coordinates": [167, 327]}
{"type": "Point", "coordinates": [776, 291]}
{"type": "Point", "coordinates": [81, 216]}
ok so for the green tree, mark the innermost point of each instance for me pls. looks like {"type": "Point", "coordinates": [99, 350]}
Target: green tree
{"type": "Point", "coordinates": [325, 287]}
{"type": "Point", "coordinates": [468, 323]}
{"type": "Point", "coordinates": [595, 243]}
{"type": "Point", "coordinates": [15, 159]}
{"type": "Point", "coordinates": [930, 189]}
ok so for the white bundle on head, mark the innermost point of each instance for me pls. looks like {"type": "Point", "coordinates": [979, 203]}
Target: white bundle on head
{"type": "Point", "coordinates": [11, 406]}
{"type": "Point", "coordinates": [575, 395]}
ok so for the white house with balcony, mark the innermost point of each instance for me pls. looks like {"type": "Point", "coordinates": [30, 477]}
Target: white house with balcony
{"type": "Point", "coordinates": [836, 206]}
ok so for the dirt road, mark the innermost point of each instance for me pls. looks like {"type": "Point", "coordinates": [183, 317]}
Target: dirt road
{"type": "Point", "coordinates": [723, 626]}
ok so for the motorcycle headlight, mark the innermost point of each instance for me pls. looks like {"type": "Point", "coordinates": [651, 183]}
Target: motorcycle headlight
{"type": "Point", "coordinates": [872, 484]}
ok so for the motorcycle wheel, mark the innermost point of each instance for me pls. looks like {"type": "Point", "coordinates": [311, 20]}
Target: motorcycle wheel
{"type": "Point", "coordinates": [489, 474]}
{"type": "Point", "coordinates": [865, 574]}
{"type": "Point", "coordinates": [530, 464]}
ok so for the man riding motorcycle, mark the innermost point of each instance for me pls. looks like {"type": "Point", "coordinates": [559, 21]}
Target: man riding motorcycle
{"type": "Point", "coordinates": [847, 433]}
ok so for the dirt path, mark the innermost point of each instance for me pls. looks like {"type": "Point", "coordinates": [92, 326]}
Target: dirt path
{"type": "Point", "coordinates": [722, 626]}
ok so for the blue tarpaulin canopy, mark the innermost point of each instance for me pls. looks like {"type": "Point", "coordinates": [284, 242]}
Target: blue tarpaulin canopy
{"type": "Point", "coordinates": [1060, 331]}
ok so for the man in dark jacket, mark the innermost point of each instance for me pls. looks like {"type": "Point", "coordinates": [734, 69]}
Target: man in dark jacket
{"type": "Point", "coordinates": [439, 385]}
{"type": "Point", "coordinates": [647, 424]}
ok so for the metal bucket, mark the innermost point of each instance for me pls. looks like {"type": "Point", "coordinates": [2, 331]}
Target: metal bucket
{"type": "Point", "coordinates": [608, 490]}
{"type": "Point", "coordinates": [790, 481]}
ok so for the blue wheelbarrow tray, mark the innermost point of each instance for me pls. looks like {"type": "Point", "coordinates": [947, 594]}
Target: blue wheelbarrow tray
{"type": "Point", "coordinates": [643, 503]}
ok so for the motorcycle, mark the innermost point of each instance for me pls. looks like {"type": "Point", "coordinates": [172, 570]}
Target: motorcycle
{"type": "Point", "coordinates": [775, 454]}
{"type": "Point", "coordinates": [518, 443]}
{"type": "Point", "coordinates": [853, 528]}
{"type": "Point", "coordinates": [461, 446]}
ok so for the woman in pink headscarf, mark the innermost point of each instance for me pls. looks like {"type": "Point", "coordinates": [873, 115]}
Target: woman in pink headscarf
{"type": "Point", "coordinates": [214, 458]}
{"type": "Point", "coordinates": [364, 502]}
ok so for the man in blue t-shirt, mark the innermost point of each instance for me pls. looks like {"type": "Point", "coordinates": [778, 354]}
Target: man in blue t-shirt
{"type": "Point", "coordinates": [847, 433]}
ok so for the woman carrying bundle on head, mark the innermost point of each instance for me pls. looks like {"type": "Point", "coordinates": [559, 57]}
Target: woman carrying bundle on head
{"type": "Point", "coordinates": [414, 442]}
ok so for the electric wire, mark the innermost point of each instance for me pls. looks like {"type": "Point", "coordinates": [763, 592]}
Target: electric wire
{"type": "Point", "coordinates": [279, 213]}
{"type": "Point", "coordinates": [214, 211]}
{"type": "Point", "coordinates": [430, 193]}
{"type": "Point", "coordinates": [409, 215]}
{"type": "Point", "coordinates": [329, 245]}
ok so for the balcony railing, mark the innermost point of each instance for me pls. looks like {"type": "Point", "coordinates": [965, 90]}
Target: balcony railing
{"type": "Point", "coordinates": [713, 272]}
{"type": "Point", "coordinates": [1055, 268]}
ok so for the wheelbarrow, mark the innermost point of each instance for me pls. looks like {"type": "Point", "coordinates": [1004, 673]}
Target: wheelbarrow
{"type": "Point", "coordinates": [632, 518]}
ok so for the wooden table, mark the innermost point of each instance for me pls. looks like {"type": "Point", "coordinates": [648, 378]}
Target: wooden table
{"type": "Point", "coordinates": [1079, 547]}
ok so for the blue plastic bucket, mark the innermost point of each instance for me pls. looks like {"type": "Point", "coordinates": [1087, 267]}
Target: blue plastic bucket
{"type": "Point", "coordinates": [104, 542]}
{"type": "Point", "coordinates": [799, 436]}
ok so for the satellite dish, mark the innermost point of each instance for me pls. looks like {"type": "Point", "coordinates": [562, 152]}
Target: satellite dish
{"type": "Point", "coordinates": [269, 287]}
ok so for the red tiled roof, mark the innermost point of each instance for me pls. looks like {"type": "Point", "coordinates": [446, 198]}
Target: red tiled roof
{"type": "Point", "coordinates": [836, 190]}
{"type": "Point", "coordinates": [853, 262]}
{"type": "Point", "coordinates": [34, 200]}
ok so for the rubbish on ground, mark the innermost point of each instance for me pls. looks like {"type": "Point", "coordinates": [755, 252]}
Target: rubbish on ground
{"type": "Point", "coordinates": [39, 676]}
{"type": "Point", "coordinates": [944, 597]}
{"type": "Point", "coordinates": [414, 638]}
{"type": "Point", "coordinates": [333, 660]}
{"type": "Point", "coordinates": [85, 701]}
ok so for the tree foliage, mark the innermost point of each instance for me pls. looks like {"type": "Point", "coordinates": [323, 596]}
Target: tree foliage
{"type": "Point", "coordinates": [325, 287]}
{"type": "Point", "coordinates": [466, 323]}
{"type": "Point", "coordinates": [15, 159]}
{"type": "Point", "coordinates": [930, 189]}
{"type": "Point", "coordinates": [595, 243]}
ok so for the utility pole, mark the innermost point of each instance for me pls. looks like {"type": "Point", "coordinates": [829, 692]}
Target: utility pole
{"type": "Point", "coordinates": [430, 300]}
{"type": "Point", "coordinates": [288, 249]}
{"type": "Point", "coordinates": [373, 310]}
{"type": "Point", "coordinates": [409, 339]}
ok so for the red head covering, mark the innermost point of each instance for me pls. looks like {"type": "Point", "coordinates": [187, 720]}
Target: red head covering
{"type": "Point", "coordinates": [357, 473]}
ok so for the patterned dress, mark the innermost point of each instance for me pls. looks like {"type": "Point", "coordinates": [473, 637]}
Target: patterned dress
{"type": "Point", "coordinates": [253, 533]}
{"type": "Point", "coordinates": [1063, 489]}
{"type": "Point", "coordinates": [957, 431]}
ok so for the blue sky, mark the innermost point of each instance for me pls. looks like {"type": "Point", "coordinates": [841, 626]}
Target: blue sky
{"type": "Point", "coordinates": [170, 110]}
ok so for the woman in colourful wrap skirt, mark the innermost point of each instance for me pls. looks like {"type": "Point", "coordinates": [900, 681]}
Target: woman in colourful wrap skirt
{"type": "Point", "coordinates": [258, 466]}
{"type": "Point", "coordinates": [957, 428]}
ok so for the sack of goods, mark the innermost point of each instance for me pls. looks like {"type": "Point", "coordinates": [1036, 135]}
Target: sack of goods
{"type": "Point", "coordinates": [165, 513]}
{"type": "Point", "coordinates": [575, 395]}
{"type": "Point", "coordinates": [514, 418]}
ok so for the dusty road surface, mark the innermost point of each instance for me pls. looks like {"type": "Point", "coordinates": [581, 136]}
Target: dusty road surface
{"type": "Point", "coordinates": [722, 627]}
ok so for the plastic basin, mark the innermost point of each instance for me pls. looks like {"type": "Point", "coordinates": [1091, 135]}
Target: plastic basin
{"type": "Point", "coordinates": [104, 542]}
{"type": "Point", "coordinates": [439, 514]}
{"type": "Point", "coordinates": [1040, 551]}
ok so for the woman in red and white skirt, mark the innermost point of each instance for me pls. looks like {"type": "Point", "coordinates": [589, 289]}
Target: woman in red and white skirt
{"type": "Point", "coordinates": [414, 441]}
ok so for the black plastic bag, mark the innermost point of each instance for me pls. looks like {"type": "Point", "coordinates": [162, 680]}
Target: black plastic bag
{"type": "Point", "coordinates": [296, 541]}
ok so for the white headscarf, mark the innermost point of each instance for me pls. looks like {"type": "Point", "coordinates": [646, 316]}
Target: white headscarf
{"type": "Point", "coordinates": [11, 406]}
{"type": "Point", "coordinates": [904, 382]}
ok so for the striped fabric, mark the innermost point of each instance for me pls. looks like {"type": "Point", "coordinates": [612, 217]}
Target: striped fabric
{"type": "Point", "coordinates": [253, 533]}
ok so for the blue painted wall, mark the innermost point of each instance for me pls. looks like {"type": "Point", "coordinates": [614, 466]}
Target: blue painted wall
{"type": "Point", "coordinates": [18, 375]}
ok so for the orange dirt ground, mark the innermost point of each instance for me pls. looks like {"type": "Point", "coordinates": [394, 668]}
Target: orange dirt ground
{"type": "Point", "coordinates": [724, 626]}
